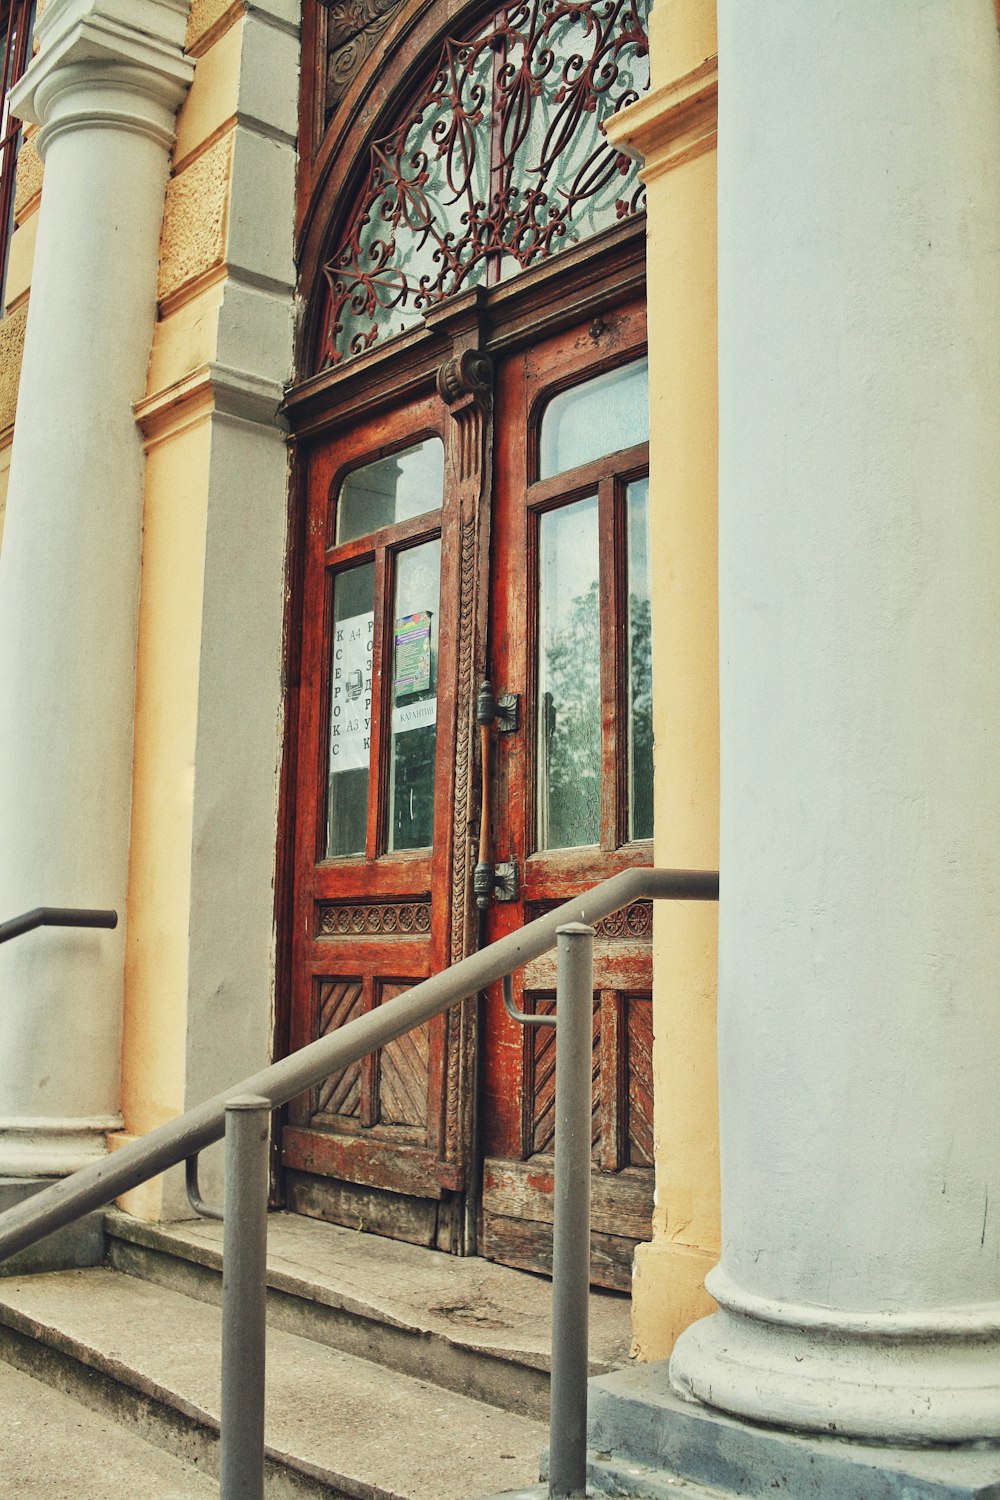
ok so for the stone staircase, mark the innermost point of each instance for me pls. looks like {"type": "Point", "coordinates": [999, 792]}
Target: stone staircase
{"type": "Point", "coordinates": [393, 1373]}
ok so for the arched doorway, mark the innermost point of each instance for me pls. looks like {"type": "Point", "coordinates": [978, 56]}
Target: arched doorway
{"type": "Point", "coordinates": [471, 444]}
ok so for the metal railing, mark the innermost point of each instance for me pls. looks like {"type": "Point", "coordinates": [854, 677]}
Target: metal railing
{"type": "Point", "coordinates": [56, 916]}
{"type": "Point", "coordinates": [241, 1114]}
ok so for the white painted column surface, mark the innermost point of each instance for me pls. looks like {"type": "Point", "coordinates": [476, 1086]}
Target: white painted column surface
{"type": "Point", "coordinates": [105, 88]}
{"type": "Point", "coordinates": [859, 985]}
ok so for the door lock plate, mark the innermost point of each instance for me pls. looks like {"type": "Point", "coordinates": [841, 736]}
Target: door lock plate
{"type": "Point", "coordinates": [508, 719]}
{"type": "Point", "coordinates": [505, 881]}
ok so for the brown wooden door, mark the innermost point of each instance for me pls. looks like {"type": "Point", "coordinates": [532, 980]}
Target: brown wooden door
{"type": "Point", "coordinates": [570, 634]}
{"type": "Point", "coordinates": [426, 514]}
{"type": "Point", "coordinates": [381, 1145]}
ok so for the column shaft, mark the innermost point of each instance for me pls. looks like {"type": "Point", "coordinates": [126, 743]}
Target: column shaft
{"type": "Point", "coordinates": [859, 1032]}
{"type": "Point", "coordinates": [69, 573]}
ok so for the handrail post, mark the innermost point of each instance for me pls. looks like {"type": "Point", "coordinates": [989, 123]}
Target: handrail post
{"type": "Point", "coordinates": [571, 1225]}
{"type": "Point", "coordinates": [244, 1298]}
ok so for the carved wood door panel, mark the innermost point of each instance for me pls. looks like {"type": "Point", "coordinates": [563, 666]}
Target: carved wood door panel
{"type": "Point", "coordinates": [570, 633]}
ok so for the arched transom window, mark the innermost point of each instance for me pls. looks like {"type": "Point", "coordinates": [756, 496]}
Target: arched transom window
{"type": "Point", "coordinates": [499, 163]}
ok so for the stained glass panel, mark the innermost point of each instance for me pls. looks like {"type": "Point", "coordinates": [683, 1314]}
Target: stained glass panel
{"type": "Point", "coordinates": [500, 163]}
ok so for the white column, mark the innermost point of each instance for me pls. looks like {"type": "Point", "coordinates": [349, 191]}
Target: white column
{"type": "Point", "coordinates": [859, 986]}
{"type": "Point", "coordinates": [105, 88]}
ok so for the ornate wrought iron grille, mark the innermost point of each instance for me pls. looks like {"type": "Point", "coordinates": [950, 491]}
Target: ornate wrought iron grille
{"type": "Point", "coordinates": [500, 163]}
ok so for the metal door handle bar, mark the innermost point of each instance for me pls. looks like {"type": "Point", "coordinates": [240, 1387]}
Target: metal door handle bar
{"type": "Point", "coordinates": [69, 1198]}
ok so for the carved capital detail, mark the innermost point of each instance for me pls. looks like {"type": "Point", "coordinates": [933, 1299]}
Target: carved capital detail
{"type": "Point", "coordinates": [469, 373]}
{"type": "Point", "coordinates": [465, 384]}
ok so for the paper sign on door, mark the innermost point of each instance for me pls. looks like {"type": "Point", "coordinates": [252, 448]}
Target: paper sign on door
{"type": "Point", "coordinates": [351, 693]}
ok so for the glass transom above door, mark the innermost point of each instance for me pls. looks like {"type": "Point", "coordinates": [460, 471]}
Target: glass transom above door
{"type": "Point", "coordinates": [499, 163]}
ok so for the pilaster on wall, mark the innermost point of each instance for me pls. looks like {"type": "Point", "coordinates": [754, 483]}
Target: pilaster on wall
{"type": "Point", "coordinates": [672, 129]}
{"type": "Point", "coordinates": [199, 967]}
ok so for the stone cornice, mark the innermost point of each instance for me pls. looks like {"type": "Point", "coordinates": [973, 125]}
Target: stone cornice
{"type": "Point", "coordinates": [97, 67]}
{"type": "Point", "coordinates": [671, 124]}
{"type": "Point", "coordinates": [213, 388]}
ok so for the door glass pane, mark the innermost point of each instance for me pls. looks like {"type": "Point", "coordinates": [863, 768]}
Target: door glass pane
{"type": "Point", "coordinates": [640, 665]}
{"type": "Point", "coordinates": [414, 697]}
{"type": "Point", "coordinates": [569, 678]}
{"type": "Point", "coordinates": [391, 489]}
{"type": "Point", "coordinates": [350, 709]}
{"type": "Point", "coordinates": [600, 416]}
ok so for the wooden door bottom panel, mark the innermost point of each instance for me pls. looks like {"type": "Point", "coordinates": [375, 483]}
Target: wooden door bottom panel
{"type": "Point", "coordinates": [398, 1168]}
{"type": "Point", "coordinates": [433, 1223]}
{"type": "Point", "coordinates": [527, 1246]}
{"type": "Point", "coordinates": [621, 1203]}
{"type": "Point", "coordinates": [517, 1218]}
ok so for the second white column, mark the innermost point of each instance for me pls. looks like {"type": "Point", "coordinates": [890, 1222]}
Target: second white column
{"type": "Point", "coordinates": [859, 1025]}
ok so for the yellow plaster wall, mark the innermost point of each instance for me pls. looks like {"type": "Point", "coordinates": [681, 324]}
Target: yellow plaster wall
{"type": "Point", "coordinates": [175, 419]}
{"type": "Point", "coordinates": [167, 671]}
{"type": "Point", "coordinates": [212, 98]}
{"type": "Point", "coordinates": [28, 184]}
{"type": "Point", "coordinates": [22, 253]}
{"type": "Point", "coordinates": [673, 129]}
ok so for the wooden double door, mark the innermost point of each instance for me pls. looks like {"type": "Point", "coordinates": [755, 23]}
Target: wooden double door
{"type": "Point", "coordinates": [494, 523]}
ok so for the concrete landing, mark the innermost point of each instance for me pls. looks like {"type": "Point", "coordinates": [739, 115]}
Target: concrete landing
{"type": "Point", "coordinates": [466, 1324]}
{"type": "Point", "coordinates": [337, 1426]}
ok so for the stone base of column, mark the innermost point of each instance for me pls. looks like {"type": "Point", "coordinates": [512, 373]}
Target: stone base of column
{"type": "Point", "coordinates": [927, 1376]}
{"type": "Point", "coordinates": [31, 1147]}
{"type": "Point", "coordinates": [645, 1438]}
{"type": "Point", "coordinates": [79, 1244]}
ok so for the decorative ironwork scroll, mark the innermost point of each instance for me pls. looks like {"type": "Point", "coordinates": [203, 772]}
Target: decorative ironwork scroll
{"type": "Point", "coordinates": [500, 163]}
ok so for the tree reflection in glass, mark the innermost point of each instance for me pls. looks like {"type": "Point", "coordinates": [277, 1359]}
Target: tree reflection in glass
{"type": "Point", "coordinates": [640, 665]}
{"type": "Point", "coordinates": [569, 678]}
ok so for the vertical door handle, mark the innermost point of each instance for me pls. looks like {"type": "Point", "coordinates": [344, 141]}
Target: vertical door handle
{"type": "Point", "coordinates": [502, 712]}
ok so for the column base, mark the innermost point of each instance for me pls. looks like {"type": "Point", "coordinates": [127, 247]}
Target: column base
{"type": "Point", "coordinates": [930, 1376]}
{"type": "Point", "coordinates": [645, 1437]}
{"type": "Point", "coordinates": [32, 1147]}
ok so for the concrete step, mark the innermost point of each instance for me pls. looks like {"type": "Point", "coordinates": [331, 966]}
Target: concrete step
{"type": "Point", "coordinates": [466, 1325]}
{"type": "Point", "coordinates": [52, 1443]}
{"type": "Point", "coordinates": [338, 1427]}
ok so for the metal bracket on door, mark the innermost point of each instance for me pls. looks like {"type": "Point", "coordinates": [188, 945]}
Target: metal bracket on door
{"type": "Point", "coordinates": [505, 887]}
{"type": "Point", "coordinates": [498, 881]}
{"type": "Point", "coordinates": [503, 712]}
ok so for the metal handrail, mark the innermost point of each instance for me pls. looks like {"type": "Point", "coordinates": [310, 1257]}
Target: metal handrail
{"type": "Point", "coordinates": [94, 1186]}
{"type": "Point", "coordinates": [56, 916]}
